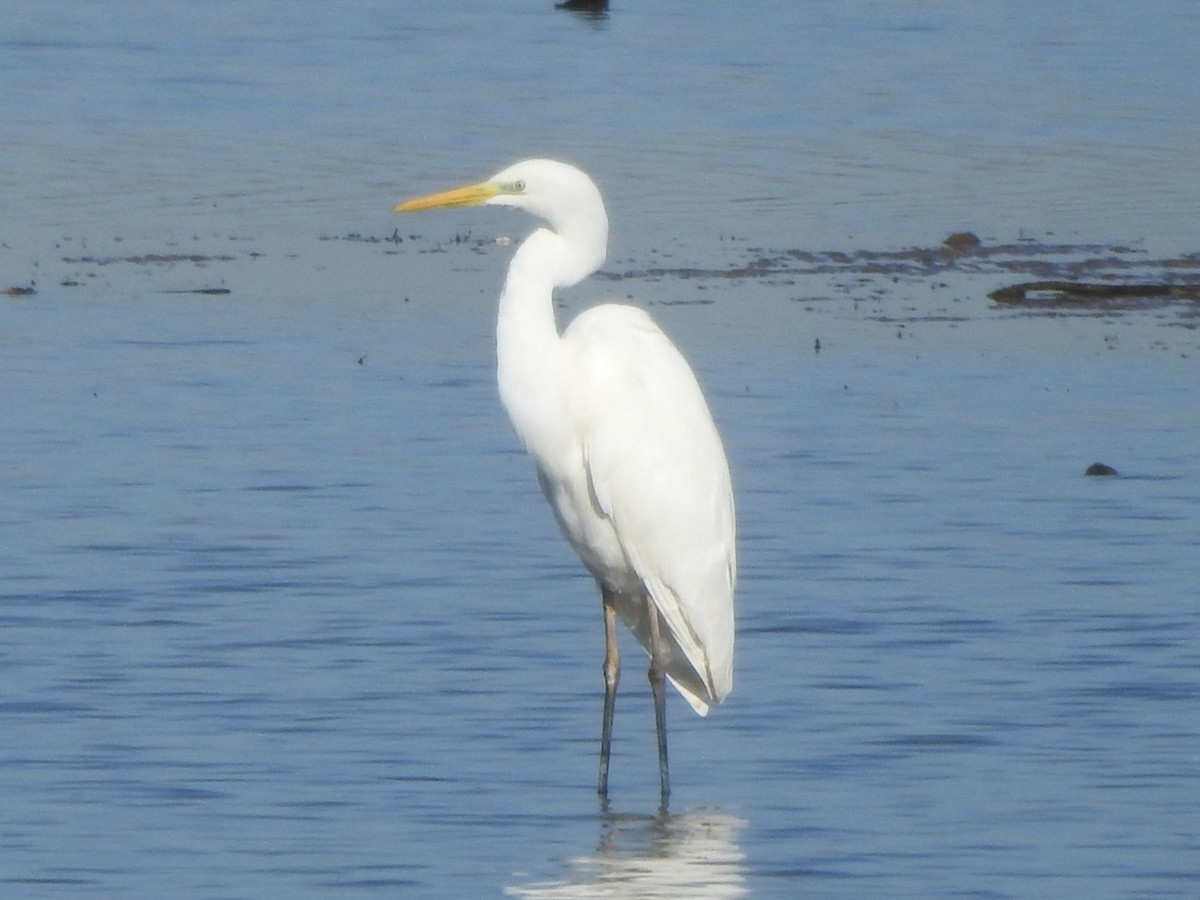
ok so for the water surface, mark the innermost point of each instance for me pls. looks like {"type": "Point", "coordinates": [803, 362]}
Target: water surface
{"type": "Point", "coordinates": [282, 612]}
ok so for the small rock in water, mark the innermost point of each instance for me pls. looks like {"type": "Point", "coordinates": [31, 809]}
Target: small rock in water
{"type": "Point", "coordinates": [962, 240]}
{"type": "Point", "coordinates": [1101, 470]}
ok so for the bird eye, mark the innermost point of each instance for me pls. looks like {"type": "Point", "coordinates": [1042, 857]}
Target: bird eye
{"type": "Point", "coordinates": [518, 187]}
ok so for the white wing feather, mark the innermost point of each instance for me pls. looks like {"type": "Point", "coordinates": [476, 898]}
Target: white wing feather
{"type": "Point", "coordinates": [657, 473]}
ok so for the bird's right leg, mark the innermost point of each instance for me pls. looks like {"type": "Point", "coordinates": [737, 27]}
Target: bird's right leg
{"type": "Point", "coordinates": [657, 673]}
{"type": "Point", "coordinates": [612, 675]}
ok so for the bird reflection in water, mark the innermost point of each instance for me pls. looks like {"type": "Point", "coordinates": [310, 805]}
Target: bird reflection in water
{"type": "Point", "coordinates": [694, 854]}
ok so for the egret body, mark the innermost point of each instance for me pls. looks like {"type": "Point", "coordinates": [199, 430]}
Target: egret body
{"type": "Point", "coordinates": [625, 447]}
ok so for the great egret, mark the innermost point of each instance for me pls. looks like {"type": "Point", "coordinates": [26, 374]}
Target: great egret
{"type": "Point", "coordinates": [626, 450]}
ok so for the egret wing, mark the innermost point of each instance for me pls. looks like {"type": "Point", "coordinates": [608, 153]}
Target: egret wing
{"type": "Point", "coordinates": [657, 470]}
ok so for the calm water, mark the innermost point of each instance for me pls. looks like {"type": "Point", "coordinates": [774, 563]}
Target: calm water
{"type": "Point", "coordinates": [281, 611]}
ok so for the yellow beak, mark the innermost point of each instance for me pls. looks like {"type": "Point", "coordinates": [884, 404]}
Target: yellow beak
{"type": "Point", "coordinates": [471, 195]}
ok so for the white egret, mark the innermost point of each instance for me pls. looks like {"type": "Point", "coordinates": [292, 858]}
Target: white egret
{"type": "Point", "coordinates": [626, 450]}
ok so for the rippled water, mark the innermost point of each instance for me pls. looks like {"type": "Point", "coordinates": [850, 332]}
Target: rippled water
{"type": "Point", "coordinates": [281, 611]}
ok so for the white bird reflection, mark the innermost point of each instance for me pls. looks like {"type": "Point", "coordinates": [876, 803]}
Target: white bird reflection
{"type": "Point", "coordinates": [694, 855]}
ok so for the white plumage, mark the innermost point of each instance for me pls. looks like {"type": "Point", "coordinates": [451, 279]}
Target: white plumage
{"type": "Point", "coordinates": [625, 447]}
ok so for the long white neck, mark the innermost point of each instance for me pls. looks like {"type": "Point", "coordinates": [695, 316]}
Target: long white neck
{"type": "Point", "coordinates": [527, 339]}
{"type": "Point", "coordinates": [528, 347]}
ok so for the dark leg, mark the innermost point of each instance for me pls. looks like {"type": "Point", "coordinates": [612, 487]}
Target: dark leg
{"type": "Point", "coordinates": [612, 675]}
{"type": "Point", "coordinates": [658, 665]}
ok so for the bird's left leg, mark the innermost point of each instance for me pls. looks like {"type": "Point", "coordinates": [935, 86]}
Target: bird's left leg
{"type": "Point", "coordinates": [658, 668]}
{"type": "Point", "coordinates": [612, 675]}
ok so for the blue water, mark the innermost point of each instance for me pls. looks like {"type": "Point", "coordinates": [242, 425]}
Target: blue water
{"type": "Point", "coordinates": [281, 610]}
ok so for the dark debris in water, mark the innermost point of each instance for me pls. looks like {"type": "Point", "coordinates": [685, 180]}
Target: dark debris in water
{"type": "Point", "coordinates": [148, 259]}
{"type": "Point", "coordinates": [358, 238]}
{"type": "Point", "coordinates": [587, 7]}
{"type": "Point", "coordinates": [1099, 276]}
{"type": "Point", "coordinates": [957, 254]}
{"type": "Point", "coordinates": [1022, 277]}
{"type": "Point", "coordinates": [1120, 295]}
{"type": "Point", "coordinates": [962, 240]}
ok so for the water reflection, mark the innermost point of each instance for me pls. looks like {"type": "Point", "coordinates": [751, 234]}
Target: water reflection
{"type": "Point", "coordinates": [694, 854]}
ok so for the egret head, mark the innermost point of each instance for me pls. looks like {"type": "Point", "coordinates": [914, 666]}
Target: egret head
{"type": "Point", "coordinates": [551, 190]}
{"type": "Point", "coordinates": [559, 194]}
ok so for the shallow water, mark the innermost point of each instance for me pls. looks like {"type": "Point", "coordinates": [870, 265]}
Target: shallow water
{"type": "Point", "coordinates": [282, 612]}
